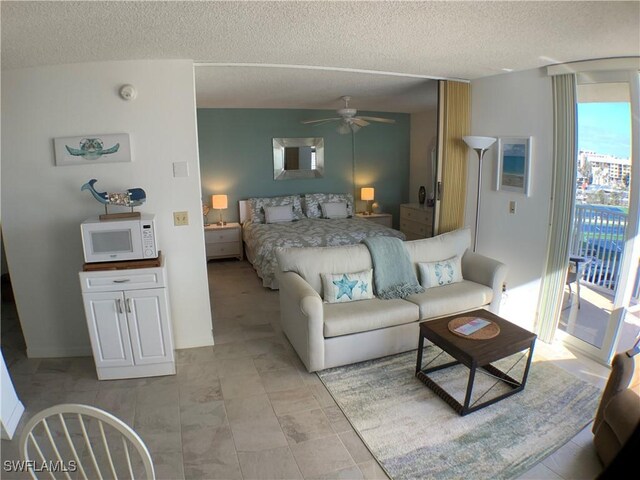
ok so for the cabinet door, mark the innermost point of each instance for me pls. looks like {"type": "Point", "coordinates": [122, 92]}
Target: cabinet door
{"type": "Point", "coordinates": [107, 323]}
{"type": "Point", "coordinates": [149, 326]}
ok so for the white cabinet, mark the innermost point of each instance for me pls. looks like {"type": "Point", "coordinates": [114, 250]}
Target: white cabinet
{"type": "Point", "coordinates": [127, 315]}
{"type": "Point", "coordinates": [416, 221]}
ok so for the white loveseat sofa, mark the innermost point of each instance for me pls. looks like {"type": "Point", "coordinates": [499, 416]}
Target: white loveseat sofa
{"type": "Point", "coordinates": [327, 335]}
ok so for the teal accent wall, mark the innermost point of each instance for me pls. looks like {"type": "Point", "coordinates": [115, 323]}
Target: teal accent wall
{"type": "Point", "coordinates": [236, 156]}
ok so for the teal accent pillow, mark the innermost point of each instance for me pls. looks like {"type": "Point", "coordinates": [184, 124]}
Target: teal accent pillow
{"type": "Point", "coordinates": [441, 272]}
{"type": "Point", "coordinates": [347, 287]}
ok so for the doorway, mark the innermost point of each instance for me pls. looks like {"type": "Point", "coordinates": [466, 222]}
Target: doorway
{"type": "Point", "coordinates": [601, 309]}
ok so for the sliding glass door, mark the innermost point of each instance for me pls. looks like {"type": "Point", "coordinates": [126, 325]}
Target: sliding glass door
{"type": "Point", "coordinates": [600, 313]}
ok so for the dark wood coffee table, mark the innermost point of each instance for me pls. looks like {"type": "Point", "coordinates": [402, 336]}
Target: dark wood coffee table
{"type": "Point", "coordinates": [473, 354]}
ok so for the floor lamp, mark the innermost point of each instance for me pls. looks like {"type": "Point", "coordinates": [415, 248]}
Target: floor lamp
{"type": "Point", "coordinates": [480, 145]}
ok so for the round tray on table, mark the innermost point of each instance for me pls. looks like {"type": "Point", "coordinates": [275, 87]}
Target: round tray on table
{"type": "Point", "coordinates": [485, 333]}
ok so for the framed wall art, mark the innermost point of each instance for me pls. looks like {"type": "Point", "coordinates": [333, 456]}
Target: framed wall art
{"type": "Point", "coordinates": [514, 164]}
{"type": "Point", "coordinates": [88, 149]}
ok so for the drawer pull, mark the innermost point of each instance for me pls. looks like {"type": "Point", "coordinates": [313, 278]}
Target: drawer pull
{"type": "Point", "coordinates": [124, 280]}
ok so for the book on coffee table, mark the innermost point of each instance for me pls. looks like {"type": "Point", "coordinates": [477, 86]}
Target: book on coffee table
{"type": "Point", "coordinates": [472, 326]}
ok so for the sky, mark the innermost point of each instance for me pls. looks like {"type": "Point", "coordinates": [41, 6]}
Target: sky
{"type": "Point", "coordinates": [605, 128]}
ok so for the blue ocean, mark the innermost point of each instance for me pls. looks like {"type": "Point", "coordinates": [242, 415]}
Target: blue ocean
{"type": "Point", "coordinates": [513, 165]}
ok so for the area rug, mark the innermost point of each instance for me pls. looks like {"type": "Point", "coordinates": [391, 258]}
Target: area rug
{"type": "Point", "coordinates": [414, 434]}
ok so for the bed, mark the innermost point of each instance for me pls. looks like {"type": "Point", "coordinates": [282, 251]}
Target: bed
{"type": "Point", "coordinates": [261, 239]}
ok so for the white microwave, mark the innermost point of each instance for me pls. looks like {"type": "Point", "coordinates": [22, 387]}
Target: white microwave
{"type": "Point", "coordinates": [119, 239]}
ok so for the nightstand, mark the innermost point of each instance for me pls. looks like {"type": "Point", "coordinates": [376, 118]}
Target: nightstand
{"type": "Point", "coordinates": [223, 241]}
{"type": "Point", "coordinates": [385, 219]}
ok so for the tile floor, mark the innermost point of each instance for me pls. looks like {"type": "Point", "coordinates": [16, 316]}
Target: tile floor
{"type": "Point", "coordinates": [245, 408]}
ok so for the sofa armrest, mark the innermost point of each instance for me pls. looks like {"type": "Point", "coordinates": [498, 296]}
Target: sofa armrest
{"type": "Point", "coordinates": [302, 319]}
{"type": "Point", "coordinates": [485, 271]}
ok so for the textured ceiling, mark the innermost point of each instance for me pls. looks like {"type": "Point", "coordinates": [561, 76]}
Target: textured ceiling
{"type": "Point", "coordinates": [464, 40]}
{"type": "Point", "coordinates": [245, 87]}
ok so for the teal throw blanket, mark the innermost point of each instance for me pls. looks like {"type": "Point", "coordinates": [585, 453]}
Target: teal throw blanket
{"type": "Point", "coordinates": [393, 274]}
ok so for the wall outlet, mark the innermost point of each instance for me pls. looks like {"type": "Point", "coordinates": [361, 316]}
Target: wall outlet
{"type": "Point", "coordinates": [180, 218]}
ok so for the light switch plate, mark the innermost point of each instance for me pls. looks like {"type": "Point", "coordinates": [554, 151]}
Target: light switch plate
{"type": "Point", "coordinates": [180, 169]}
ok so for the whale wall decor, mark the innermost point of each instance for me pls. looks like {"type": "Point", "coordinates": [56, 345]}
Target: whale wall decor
{"type": "Point", "coordinates": [87, 149]}
{"type": "Point", "coordinates": [131, 197]}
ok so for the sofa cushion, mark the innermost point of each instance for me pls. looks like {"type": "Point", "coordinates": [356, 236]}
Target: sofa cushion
{"type": "Point", "coordinates": [364, 315]}
{"type": "Point", "coordinates": [451, 299]}
{"type": "Point", "coordinates": [347, 287]}
{"type": "Point", "coordinates": [311, 262]}
{"type": "Point", "coordinates": [440, 272]}
{"type": "Point", "coordinates": [440, 247]}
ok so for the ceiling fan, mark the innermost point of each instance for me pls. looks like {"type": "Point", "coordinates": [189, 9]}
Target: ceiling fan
{"type": "Point", "coordinates": [349, 122]}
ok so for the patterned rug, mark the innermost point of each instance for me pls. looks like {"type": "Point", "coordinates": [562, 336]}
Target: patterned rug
{"type": "Point", "coordinates": [415, 435]}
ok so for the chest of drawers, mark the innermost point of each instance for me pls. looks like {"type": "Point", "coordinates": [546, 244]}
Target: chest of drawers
{"type": "Point", "coordinates": [416, 221]}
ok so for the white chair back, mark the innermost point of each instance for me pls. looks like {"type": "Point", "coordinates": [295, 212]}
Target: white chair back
{"type": "Point", "coordinates": [81, 441]}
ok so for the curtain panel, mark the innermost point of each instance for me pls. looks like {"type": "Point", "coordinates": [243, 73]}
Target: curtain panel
{"type": "Point", "coordinates": [561, 215]}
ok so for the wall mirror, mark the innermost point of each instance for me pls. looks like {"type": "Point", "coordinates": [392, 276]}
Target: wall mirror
{"type": "Point", "coordinates": [298, 158]}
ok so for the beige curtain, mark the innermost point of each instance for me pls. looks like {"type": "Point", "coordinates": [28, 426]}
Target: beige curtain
{"type": "Point", "coordinates": [454, 122]}
{"type": "Point", "coordinates": [562, 201]}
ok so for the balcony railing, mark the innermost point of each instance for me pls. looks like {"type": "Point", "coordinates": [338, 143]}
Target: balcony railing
{"type": "Point", "coordinates": [598, 234]}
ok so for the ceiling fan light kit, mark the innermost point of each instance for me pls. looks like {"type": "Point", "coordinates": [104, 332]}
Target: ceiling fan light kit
{"type": "Point", "coordinates": [349, 122]}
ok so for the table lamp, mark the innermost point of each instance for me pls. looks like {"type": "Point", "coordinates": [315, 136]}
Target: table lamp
{"type": "Point", "coordinates": [367, 193]}
{"type": "Point", "coordinates": [219, 202]}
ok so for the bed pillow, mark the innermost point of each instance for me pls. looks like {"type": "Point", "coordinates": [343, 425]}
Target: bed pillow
{"type": "Point", "coordinates": [312, 202]}
{"type": "Point", "coordinates": [283, 213]}
{"type": "Point", "coordinates": [441, 272]}
{"type": "Point", "coordinates": [258, 204]}
{"type": "Point", "coordinates": [334, 210]}
{"type": "Point", "coordinates": [347, 287]}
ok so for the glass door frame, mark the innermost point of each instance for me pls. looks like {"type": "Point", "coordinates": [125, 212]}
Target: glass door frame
{"type": "Point", "coordinates": [631, 251]}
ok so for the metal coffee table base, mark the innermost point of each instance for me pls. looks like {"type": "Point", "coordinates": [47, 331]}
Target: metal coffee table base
{"type": "Point", "coordinates": [516, 386]}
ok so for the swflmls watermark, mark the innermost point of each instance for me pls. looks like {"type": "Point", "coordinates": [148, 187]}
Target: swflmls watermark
{"type": "Point", "coordinates": [35, 466]}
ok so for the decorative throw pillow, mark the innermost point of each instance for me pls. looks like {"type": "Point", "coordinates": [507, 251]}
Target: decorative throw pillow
{"type": "Point", "coordinates": [347, 287]}
{"type": "Point", "coordinates": [442, 272]}
{"type": "Point", "coordinates": [312, 202]}
{"type": "Point", "coordinates": [283, 213]}
{"type": "Point", "coordinates": [258, 204]}
{"type": "Point", "coordinates": [334, 210]}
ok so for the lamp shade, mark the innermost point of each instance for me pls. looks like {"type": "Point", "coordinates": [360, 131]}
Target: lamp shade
{"type": "Point", "coordinates": [219, 202]}
{"type": "Point", "coordinates": [367, 193]}
{"type": "Point", "coordinates": [481, 143]}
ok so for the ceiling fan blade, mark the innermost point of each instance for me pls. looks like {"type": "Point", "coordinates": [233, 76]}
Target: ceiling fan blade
{"type": "Point", "coordinates": [378, 119]}
{"type": "Point", "coordinates": [307, 122]}
{"type": "Point", "coordinates": [328, 120]}
{"type": "Point", "coordinates": [343, 128]}
{"type": "Point", "coordinates": [354, 128]}
{"type": "Point", "coordinates": [360, 122]}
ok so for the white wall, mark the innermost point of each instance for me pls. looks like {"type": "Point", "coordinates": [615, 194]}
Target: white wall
{"type": "Point", "coordinates": [514, 104]}
{"type": "Point", "coordinates": [424, 131]}
{"type": "Point", "coordinates": [42, 205]}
